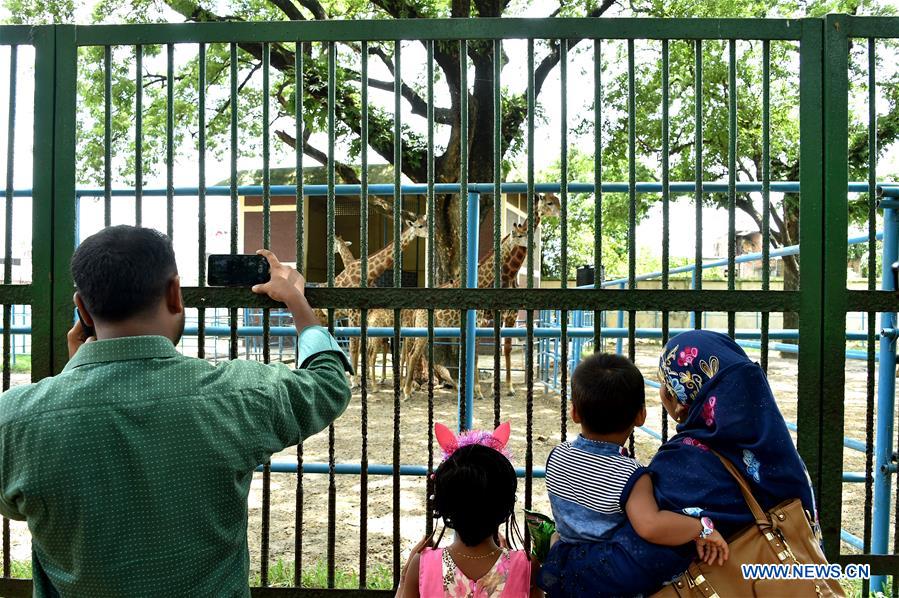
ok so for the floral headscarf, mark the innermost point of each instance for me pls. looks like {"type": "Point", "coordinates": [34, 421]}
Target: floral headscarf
{"type": "Point", "coordinates": [730, 409]}
{"type": "Point", "coordinates": [683, 370]}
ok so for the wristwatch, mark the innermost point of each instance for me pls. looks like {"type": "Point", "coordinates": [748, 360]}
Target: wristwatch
{"type": "Point", "coordinates": [707, 527]}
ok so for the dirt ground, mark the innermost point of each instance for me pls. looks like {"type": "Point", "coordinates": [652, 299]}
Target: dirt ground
{"type": "Point", "coordinates": [413, 416]}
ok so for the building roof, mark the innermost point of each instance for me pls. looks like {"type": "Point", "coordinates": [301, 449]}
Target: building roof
{"type": "Point", "coordinates": [312, 175]}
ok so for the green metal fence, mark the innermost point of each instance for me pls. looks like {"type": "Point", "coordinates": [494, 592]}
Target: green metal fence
{"type": "Point", "coordinates": [822, 299]}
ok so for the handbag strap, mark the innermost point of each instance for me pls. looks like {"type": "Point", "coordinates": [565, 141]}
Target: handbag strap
{"type": "Point", "coordinates": [754, 507]}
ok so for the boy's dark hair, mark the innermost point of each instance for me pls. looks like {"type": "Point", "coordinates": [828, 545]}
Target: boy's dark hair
{"type": "Point", "coordinates": [608, 392]}
{"type": "Point", "coordinates": [474, 492]}
{"type": "Point", "coordinates": [122, 271]}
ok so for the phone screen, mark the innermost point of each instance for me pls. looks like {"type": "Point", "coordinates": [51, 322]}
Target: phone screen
{"type": "Point", "coordinates": [237, 270]}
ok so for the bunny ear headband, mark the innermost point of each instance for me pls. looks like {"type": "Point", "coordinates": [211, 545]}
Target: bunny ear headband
{"type": "Point", "coordinates": [496, 440]}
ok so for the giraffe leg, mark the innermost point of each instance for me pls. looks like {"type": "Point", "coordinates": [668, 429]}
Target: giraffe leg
{"type": "Point", "coordinates": [384, 348]}
{"type": "Point", "coordinates": [507, 353]}
{"type": "Point", "coordinates": [418, 349]}
{"type": "Point", "coordinates": [354, 359]}
{"type": "Point", "coordinates": [372, 362]}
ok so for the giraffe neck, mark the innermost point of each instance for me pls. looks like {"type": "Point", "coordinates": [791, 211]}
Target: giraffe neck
{"type": "Point", "coordinates": [512, 264]}
{"type": "Point", "coordinates": [383, 260]}
{"type": "Point", "coordinates": [345, 254]}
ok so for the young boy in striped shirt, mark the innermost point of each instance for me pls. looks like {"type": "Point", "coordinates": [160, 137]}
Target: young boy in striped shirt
{"type": "Point", "coordinates": [594, 485]}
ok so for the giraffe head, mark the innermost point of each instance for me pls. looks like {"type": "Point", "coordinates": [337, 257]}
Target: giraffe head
{"type": "Point", "coordinates": [548, 205]}
{"type": "Point", "coordinates": [518, 237]}
{"type": "Point", "coordinates": [338, 242]}
{"type": "Point", "coordinates": [418, 226]}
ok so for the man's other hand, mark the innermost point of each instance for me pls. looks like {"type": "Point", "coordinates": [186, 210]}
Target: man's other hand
{"type": "Point", "coordinates": [77, 337]}
{"type": "Point", "coordinates": [285, 285]}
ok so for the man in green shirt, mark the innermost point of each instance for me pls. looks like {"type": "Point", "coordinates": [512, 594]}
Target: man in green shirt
{"type": "Point", "coordinates": [132, 467]}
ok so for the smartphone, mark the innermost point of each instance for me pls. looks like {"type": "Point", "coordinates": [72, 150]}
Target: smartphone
{"type": "Point", "coordinates": [237, 270]}
{"type": "Point", "coordinates": [88, 330]}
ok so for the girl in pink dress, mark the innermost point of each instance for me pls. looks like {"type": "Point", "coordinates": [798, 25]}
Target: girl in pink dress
{"type": "Point", "coordinates": [474, 493]}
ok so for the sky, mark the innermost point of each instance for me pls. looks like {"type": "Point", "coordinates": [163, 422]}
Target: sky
{"type": "Point", "coordinates": [546, 151]}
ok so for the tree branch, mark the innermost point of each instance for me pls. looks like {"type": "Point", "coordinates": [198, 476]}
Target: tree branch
{"type": "Point", "coordinates": [346, 172]}
{"type": "Point", "coordinates": [347, 108]}
{"type": "Point", "coordinates": [289, 8]}
{"type": "Point", "coordinates": [419, 106]}
{"type": "Point", "coordinates": [315, 8]}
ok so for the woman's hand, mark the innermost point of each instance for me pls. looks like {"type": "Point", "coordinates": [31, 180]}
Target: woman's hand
{"type": "Point", "coordinates": [713, 549]}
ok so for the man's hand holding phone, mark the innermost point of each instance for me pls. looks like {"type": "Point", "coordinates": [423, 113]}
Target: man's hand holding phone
{"type": "Point", "coordinates": [287, 286]}
{"type": "Point", "coordinates": [77, 336]}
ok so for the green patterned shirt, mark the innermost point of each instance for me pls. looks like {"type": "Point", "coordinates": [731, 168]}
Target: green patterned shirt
{"type": "Point", "coordinates": [132, 467]}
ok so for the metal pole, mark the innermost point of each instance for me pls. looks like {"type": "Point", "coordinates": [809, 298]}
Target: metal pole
{"type": "Point", "coordinates": [886, 398]}
{"type": "Point", "coordinates": [471, 282]}
{"type": "Point", "coordinates": [620, 324]}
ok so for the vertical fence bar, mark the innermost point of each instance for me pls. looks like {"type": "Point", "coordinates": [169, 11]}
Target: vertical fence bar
{"type": "Point", "coordinates": [201, 197]}
{"type": "Point", "coordinates": [597, 188]}
{"type": "Point", "coordinates": [766, 191]}
{"type": "Point", "coordinates": [432, 269]}
{"type": "Point", "coordinates": [107, 134]}
{"type": "Point", "coordinates": [563, 164]}
{"type": "Point", "coordinates": [363, 348]}
{"type": "Point", "coordinates": [697, 195]}
{"type": "Point", "coordinates": [397, 283]}
{"type": "Point", "coordinates": [497, 223]}
{"type": "Point", "coordinates": [232, 316]}
{"type": "Point", "coordinates": [7, 255]}
{"type": "Point", "coordinates": [138, 133]}
{"type": "Point", "coordinates": [332, 481]}
{"type": "Point", "coordinates": [471, 281]}
{"type": "Point", "coordinates": [731, 177]}
{"type": "Point", "coordinates": [529, 343]}
{"type": "Point", "coordinates": [466, 357]}
{"type": "Point", "coordinates": [169, 139]}
{"type": "Point", "coordinates": [632, 204]}
{"type": "Point", "coordinates": [266, 314]}
{"type": "Point", "coordinates": [300, 230]}
{"type": "Point", "coordinates": [666, 198]}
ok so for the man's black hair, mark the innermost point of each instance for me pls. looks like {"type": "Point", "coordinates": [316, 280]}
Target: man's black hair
{"type": "Point", "coordinates": [122, 271]}
{"type": "Point", "coordinates": [474, 492]}
{"type": "Point", "coordinates": [608, 392]}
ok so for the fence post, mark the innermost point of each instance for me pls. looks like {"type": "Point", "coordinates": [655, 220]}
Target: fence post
{"type": "Point", "coordinates": [886, 398]}
{"type": "Point", "coordinates": [64, 204]}
{"type": "Point", "coordinates": [471, 282]}
{"type": "Point", "coordinates": [42, 345]}
{"type": "Point", "coordinates": [820, 416]}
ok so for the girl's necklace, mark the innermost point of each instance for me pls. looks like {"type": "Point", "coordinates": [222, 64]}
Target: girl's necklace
{"type": "Point", "coordinates": [456, 553]}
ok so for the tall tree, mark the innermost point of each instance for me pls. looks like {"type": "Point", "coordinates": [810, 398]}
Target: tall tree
{"type": "Point", "coordinates": [348, 103]}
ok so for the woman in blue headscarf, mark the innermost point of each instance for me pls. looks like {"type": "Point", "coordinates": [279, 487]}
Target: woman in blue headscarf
{"type": "Point", "coordinates": [722, 401]}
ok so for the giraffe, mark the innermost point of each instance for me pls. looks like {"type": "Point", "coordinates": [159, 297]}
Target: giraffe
{"type": "Point", "coordinates": [342, 248]}
{"type": "Point", "coordinates": [547, 205]}
{"type": "Point", "coordinates": [383, 318]}
{"type": "Point", "coordinates": [378, 263]}
{"type": "Point", "coordinates": [513, 253]}
{"type": "Point", "coordinates": [450, 318]}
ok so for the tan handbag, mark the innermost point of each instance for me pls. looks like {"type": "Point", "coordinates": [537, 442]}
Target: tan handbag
{"type": "Point", "coordinates": [783, 535]}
